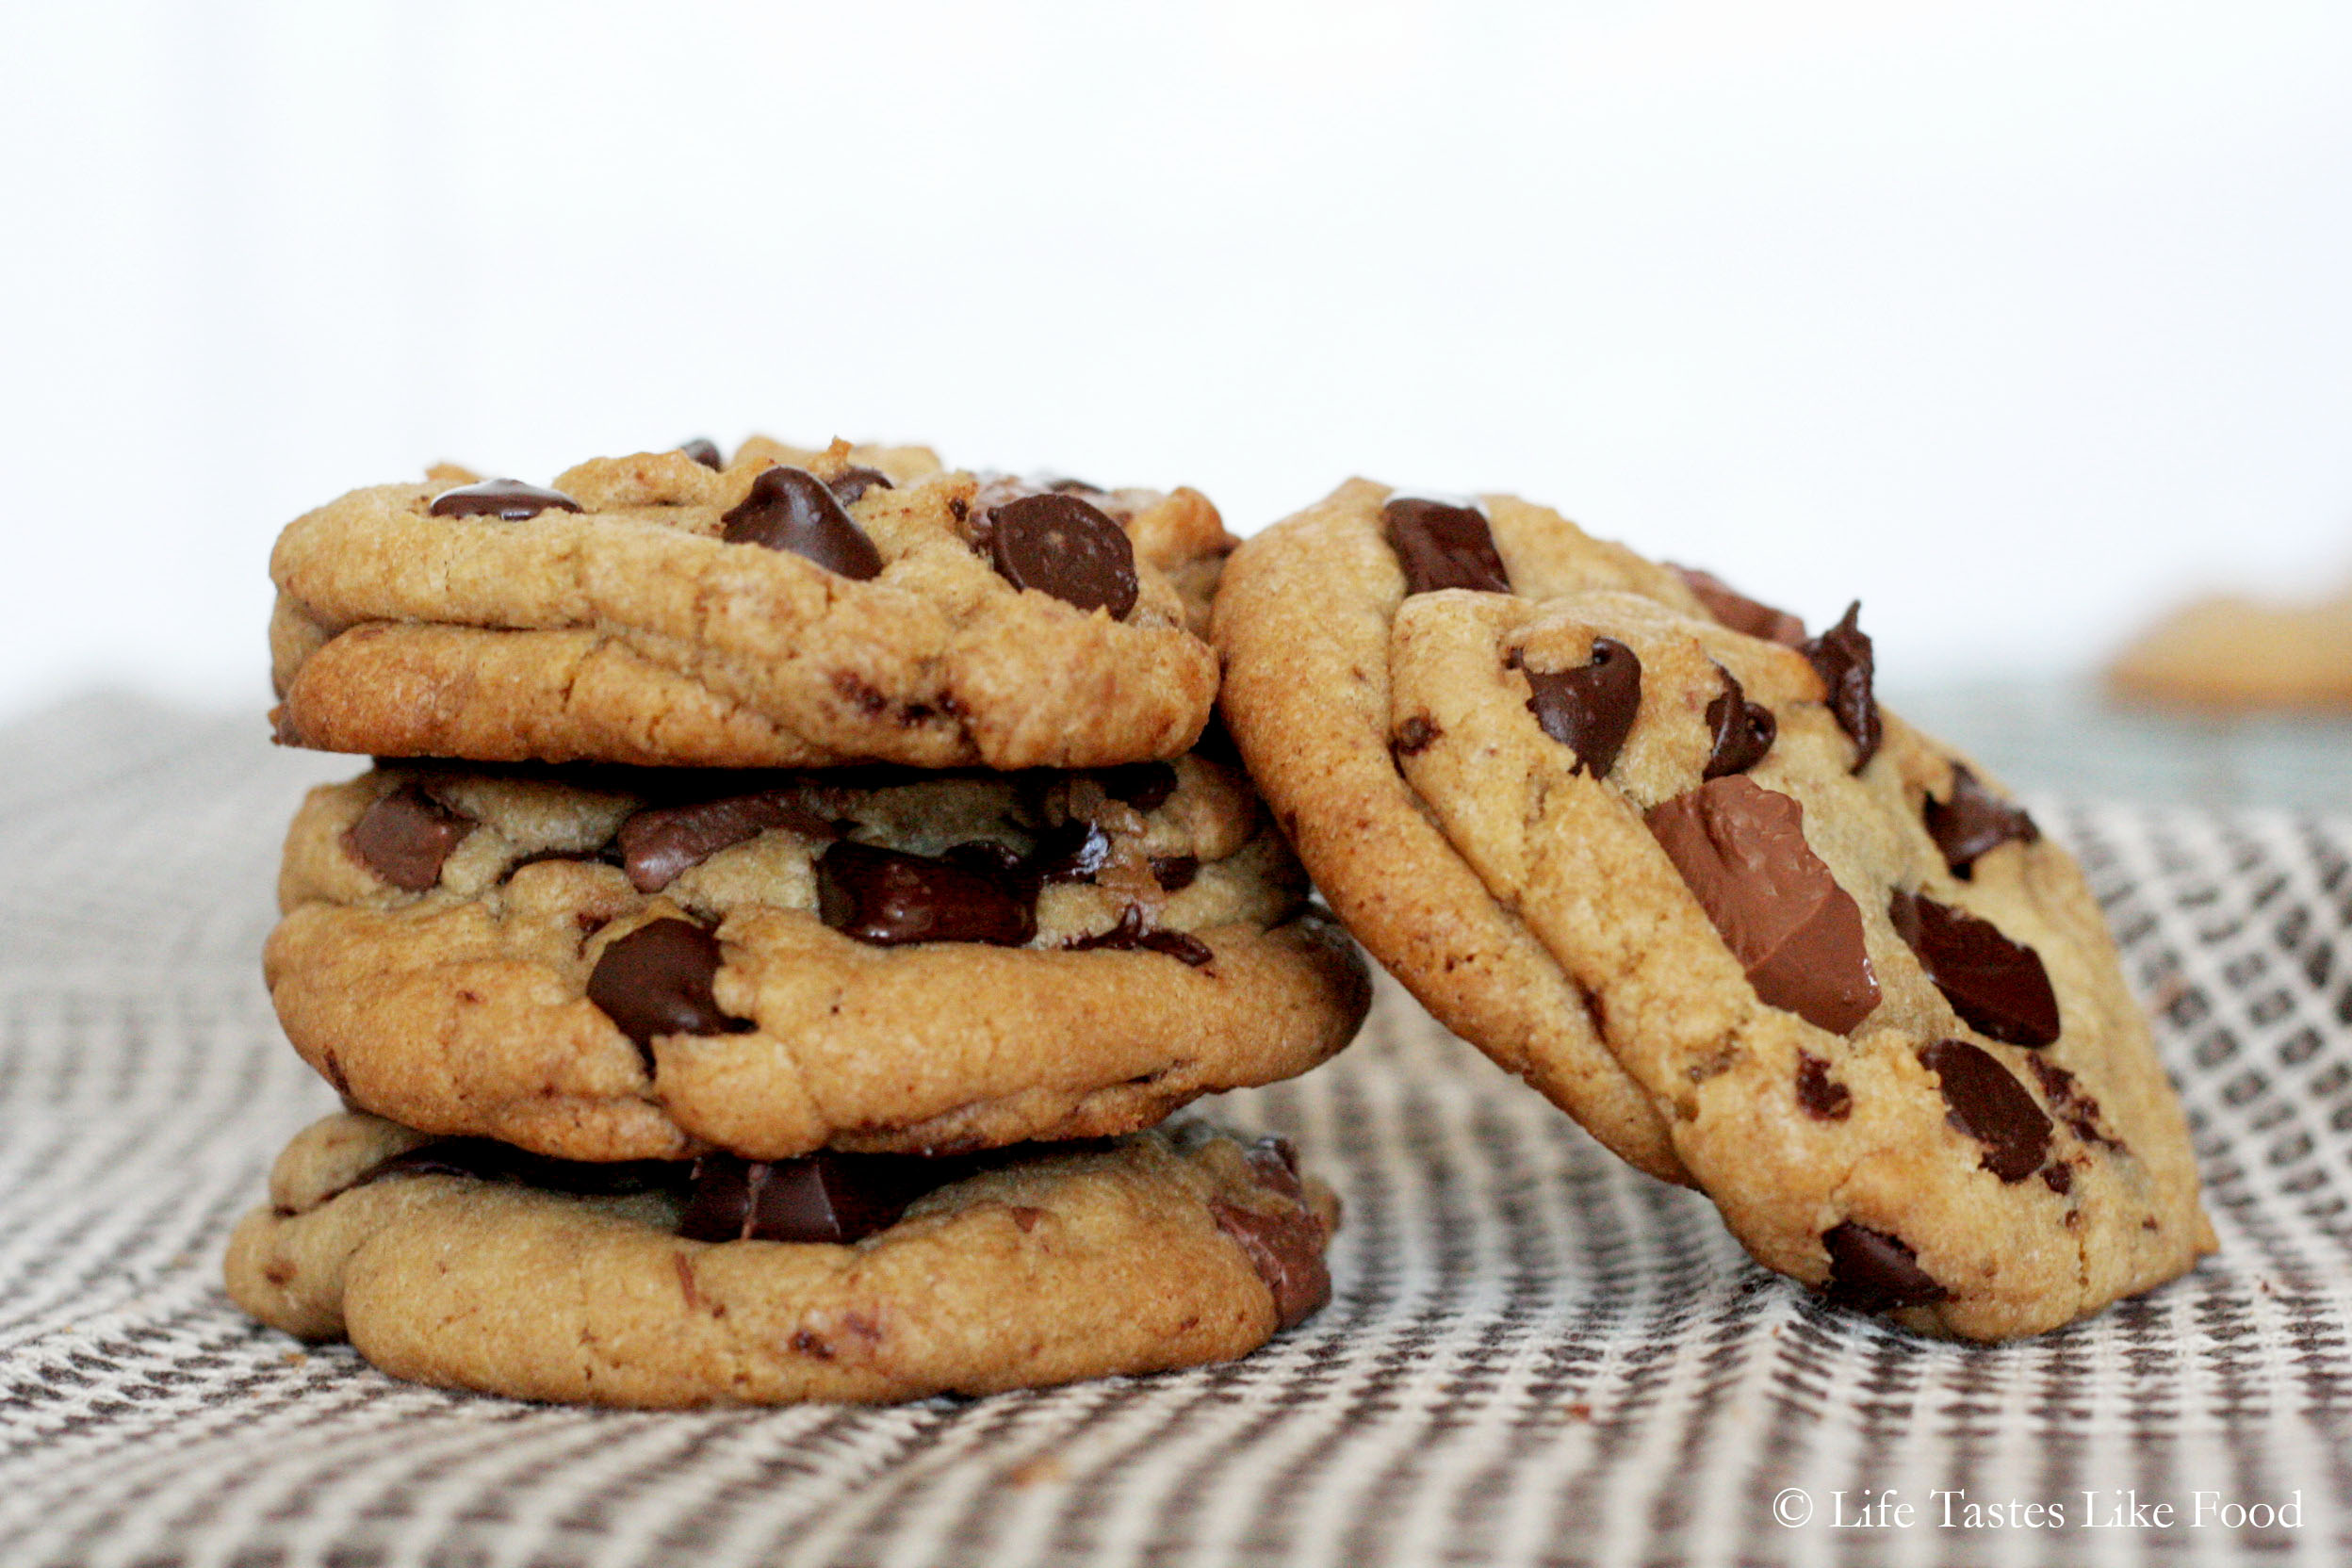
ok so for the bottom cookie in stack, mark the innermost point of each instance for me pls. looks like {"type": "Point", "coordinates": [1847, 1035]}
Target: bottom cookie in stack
{"type": "Point", "coordinates": [469, 1263]}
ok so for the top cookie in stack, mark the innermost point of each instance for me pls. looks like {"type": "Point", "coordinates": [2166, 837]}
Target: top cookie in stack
{"type": "Point", "coordinates": [821, 817]}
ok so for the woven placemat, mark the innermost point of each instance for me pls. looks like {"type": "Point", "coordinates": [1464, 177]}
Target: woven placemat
{"type": "Point", "coordinates": [1534, 1356]}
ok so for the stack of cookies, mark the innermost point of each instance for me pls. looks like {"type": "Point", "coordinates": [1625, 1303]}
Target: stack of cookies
{"type": "Point", "coordinates": [790, 895]}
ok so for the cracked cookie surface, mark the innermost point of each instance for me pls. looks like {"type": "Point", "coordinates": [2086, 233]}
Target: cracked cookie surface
{"type": "Point", "coordinates": [794, 608]}
{"type": "Point", "coordinates": [612, 964]}
{"type": "Point", "coordinates": [1158, 1250]}
{"type": "Point", "coordinates": [1875, 1015]}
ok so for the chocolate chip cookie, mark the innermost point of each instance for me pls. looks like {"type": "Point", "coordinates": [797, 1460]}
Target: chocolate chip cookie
{"type": "Point", "coordinates": [2238, 655]}
{"type": "Point", "coordinates": [1868, 1007]}
{"type": "Point", "coordinates": [616, 964]}
{"type": "Point", "coordinates": [788, 609]}
{"type": "Point", "coordinates": [720, 1282]}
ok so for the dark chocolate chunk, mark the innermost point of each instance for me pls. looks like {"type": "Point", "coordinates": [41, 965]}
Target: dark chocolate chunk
{"type": "Point", "coordinates": [1061, 546]}
{"type": "Point", "coordinates": [1742, 613]}
{"type": "Point", "coordinates": [404, 838]}
{"type": "Point", "coordinates": [1145, 786]}
{"type": "Point", "coordinates": [791, 510]}
{"type": "Point", "coordinates": [2077, 1110]}
{"type": "Point", "coordinates": [1442, 545]}
{"type": "Point", "coordinates": [1132, 935]}
{"type": "Point", "coordinates": [1824, 1097]}
{"type": "Point", "coordinates": [1743, 730]}
{"type": "Point", "coordinates": [1983, 1099]}
{"type": "Point", "coordinates": [2059, 1176]}
{"type": "Point", "coordinates": [1997, 985]}
{"type": "Point", "coordinates": [510, 499]}
{"type": "Point", "coordinates": [888, 898]}
{"type": "Point", "coordinates": [1742, 850]}
{"type": "Point", "coordinates": [1972, 821]}
{"type": "Point", "coordinates": [660, 842]}
{"type": "Point", "coordinates": [1414, 736]}
{"type": "Point", "coordinates": [487, 1160]}
{"type": "Point", "coordinates": [657, 981]}
{"type": "Point", "coordinates": [1589, 710]}
{"type": "Point", "coordinates": [850, 483]}
{"type": "Point", "coordinates": [1068, 485]}
{"type": "Point", "coordinates": [825, 1197]}
{"type": "Point", "coordinates": [1842, 657]}
{"type": "Point", "coordinates": [703, 451]}
{"type": "Point", "coordinates": [1071, 851]}
{"type": "Point", "coordinates": [1872, 1271]}
{"type": "Point", "coordinates": [1286, 1249]}
{"type": "Point", "coordinates": [1174, 873]}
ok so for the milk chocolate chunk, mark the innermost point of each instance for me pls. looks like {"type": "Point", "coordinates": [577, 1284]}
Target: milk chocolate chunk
{"type": "Point", "coordinates": [1824, 1097]}
{"type": "Point", "coordinates": [826, 1196]}
{"type": "Point", "coordinates": [657, 981]}
{"type": "Point", "coordinates": [1984, 1101]}
{"type": "Point", "coordinates": [1872, 1271]}
{"type": "Point", "coordinates": [850, 483]}
{"type": "Point", "coordinates": [1998, 985]}
{"type": "Point", "coordinates": [1589, 710]}
{"type": "Point", "coordinates": [703, 451]}
{"type": "Point", "coordinates": [1132, 935]}
{"type": "Point", "coordinates": [405, 837]}
{"type": "Point", "coordinates": [1842, 657]}
{"type": "Point", "coordinates": [1972, 821]}
{"type": "Point", "coordinates": [1742, 613]}
{"type": "Point", "coordinates": [888, 898]}
{"type": "Point", "coordinates": [510, 499]}
{"type": "Point", "coordinates": [791, 510]}
{"type": "Point", "coordinates": [1286, 1249]}
{"type": "Point", "coordinates": [1061, 546]}
{"type": "Point", "coordinates": [1742, 730]}
{"type": "Point", "coordinates": [487, 1160]}
{"type": "Point", "coordinates": [661, 842]}
{"type": "Point", "coordinates": [1442, 545]}
{"type": "Point", "coordinates": [1742, 850]}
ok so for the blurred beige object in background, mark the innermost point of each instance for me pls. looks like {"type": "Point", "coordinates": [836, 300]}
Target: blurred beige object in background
{"type": "Point", "coordinates": [2229, 654]}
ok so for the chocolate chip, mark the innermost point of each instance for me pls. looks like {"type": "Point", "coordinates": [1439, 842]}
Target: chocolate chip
{"type": "Point", "coordinates": [1132, 935]}
{"type": "Point", "coordinates": [888, 898]}
{"type": "Point", "coordinates": [1742, 850]}
{"type": "Point", "coordinates": [404, 838]}
{"type": "Point", "coordinates": [1973, 822]}
{"type": "Point", "coordinates": [1984, 1101]}
{"type": "Point", "coordinates": [1174, 873]}
{"type": "Point", "coordinates": [657, 981]}
{"type": "Point", "coordinates": [510, 499]}
{"type": "Point", "coordinates": [1824, 1097]}
{"type": "Point", "coordinates": [1998, 985]}
{"type": "Point", "coordinates": [1872, 1271]}
{"type": "Point", "coordinates": [487, 1160]}
{"type": "Point", "coordinates": [1416, 736]}
{"type": "Point", "coordinates": [1286, 1249]}
{"type": "Point", "coordinates": [703, 451]}
{"type": "Point", "coordinates": [1145, 786]}
{"type": "Point", "coordinates": [1742, 730]}
{"type": "Point", "coordinates": [2059, 1176]}
{"type": "Point", "coordinates": [661, 842]}
{"type": "Point", "coordinates": [791, 510]}
{"type": "Point", "coordinates": [1742, 613]}
{"type": "Point", "coordinates": [826, 1196]}
{"type": "Point", "coordinates": [1841, 656]}
{"type": "Point", "coordinates": [850, 483]}
{"type": "Point", "coordinates": [1061, 546]}
{"type": "Point", "coordinates": [1589, 710]}
{"type": "Point", "coordinates": [2077, 1110]}
{"type": "Point", "coordinates": [1442, 545]}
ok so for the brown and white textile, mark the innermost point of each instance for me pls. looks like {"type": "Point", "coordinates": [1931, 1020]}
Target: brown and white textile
{"type": "Point", "coordinates": [1534, 1355]}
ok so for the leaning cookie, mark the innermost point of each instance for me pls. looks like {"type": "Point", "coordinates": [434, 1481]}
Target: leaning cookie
{"type": "Point", "coordinates": [625, 964]}
{"type": "Point", "coordinates": [839, 1277]}
{"type": "Point", "coordinates": [790, 609]}
{"type": "Point", "coordinates": [1876, 1012]}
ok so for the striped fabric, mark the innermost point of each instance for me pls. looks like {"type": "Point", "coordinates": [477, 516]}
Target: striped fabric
{"type": "Point", "coordinates": [1534, 1355]}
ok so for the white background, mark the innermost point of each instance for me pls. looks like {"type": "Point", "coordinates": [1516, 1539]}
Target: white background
{"type": "Point", "coordinates": [2014, 320]}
